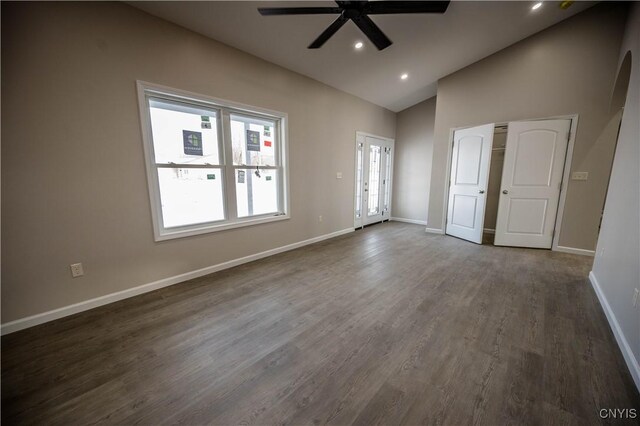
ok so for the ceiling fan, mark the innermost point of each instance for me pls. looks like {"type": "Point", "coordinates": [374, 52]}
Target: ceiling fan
{"type": "Point", "coordinates": [358, 12]}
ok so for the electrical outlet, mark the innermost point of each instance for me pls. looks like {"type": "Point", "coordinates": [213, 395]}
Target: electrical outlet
{"type": "Point", "coordinates": [77, 270]}
{"type": "Point", "coordinates": [320, 218]}
{"type": "Point", "coordinates": [635, 297]}
{"type": "Point", "coordinates": [339, 175]}
{"type": "Point", "coordinates": [579, 175]}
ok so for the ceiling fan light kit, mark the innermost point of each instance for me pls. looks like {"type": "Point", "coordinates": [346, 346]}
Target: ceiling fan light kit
{"type": "Point", "coordinates": [358, 12]}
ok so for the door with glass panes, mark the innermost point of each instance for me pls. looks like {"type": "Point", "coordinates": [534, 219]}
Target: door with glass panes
{"type": "Point", "coordinates": [374, 167]}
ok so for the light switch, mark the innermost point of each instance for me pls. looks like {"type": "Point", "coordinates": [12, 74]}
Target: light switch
{"type": "Point", "coordinates": [339, 175]}
{"type": "Point", "coordinates": [579, 175]}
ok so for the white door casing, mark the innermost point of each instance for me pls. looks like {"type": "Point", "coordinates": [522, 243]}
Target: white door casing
{"type": "Point", "coordinates": [531, 182]}
{"type": "Point", "coordinates": [469, 177]}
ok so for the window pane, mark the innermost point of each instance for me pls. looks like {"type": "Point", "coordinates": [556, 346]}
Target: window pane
{"type": "Point", "coordinates": [374, 180]}
{"type": "Point", "coordinates": [183, 134]}
{"type": "Point", "coordinates": [190, 196]}
{"type": "Point", "coordinates": [359, 181]}
{"type": "Point", "coordinates": [387, 178]}
{"type": "Point", "coordinates": [255, 194]}
{"type": "Point", "coordinates": [253, 141]}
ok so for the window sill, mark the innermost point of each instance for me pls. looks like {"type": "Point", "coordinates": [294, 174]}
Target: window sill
{"type": "Point", "coordinates": [206, 229]}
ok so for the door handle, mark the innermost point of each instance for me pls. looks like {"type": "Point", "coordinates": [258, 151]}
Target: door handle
{"type": "Point", "coordinates": [504, 191]}
{"type": "Point", "coordinates": [481, 191]}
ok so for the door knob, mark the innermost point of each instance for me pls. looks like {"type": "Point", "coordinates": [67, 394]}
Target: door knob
{"type": "Point", "coordinates": [481, 191]}
{"type": "Point", "coordinates": [504, 191]}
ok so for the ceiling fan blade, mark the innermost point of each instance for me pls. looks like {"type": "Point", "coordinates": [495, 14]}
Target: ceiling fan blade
{"type": "Point", "coordinates": [270, 11]}
{"type": "Point", "coordinates": [326, 34]}
{"type": "Point", "coordinates": [386, 7]}
{"type": "Point", "coordinates": [371, 30]}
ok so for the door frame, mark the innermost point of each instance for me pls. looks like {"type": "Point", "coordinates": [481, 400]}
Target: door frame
{"type": "Point", "coordinates": [360, 138]}
{"type": "Point", "coordinates": [565, 175]}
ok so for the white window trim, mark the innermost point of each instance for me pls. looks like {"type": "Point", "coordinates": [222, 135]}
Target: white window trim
{"type": "Point", "coordinates": [160, 233]}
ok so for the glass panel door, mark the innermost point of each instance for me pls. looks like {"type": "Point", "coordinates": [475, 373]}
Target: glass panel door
{"type": "Point", "coordinates": [374, 180]}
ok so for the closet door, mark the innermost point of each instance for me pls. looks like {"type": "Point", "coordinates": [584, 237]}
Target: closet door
{"type": "Point", "coordinates": [531, 181]}
{"type": "Point", "coordinates": [468, 182]}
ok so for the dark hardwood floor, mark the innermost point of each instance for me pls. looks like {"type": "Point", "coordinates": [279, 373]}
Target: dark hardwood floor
{"type": "Point", "coordinates": [388, 325]}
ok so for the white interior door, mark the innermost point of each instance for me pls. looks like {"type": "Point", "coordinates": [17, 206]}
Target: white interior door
{"type": "Point", "coordinates": [373, 180]}
{"type": "Point", "coordinates": [468, 182]}
{"type": "Point", "coordinates": [531, 182]}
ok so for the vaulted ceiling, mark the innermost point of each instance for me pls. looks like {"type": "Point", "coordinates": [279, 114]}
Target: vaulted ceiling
{"type": "Point", "coordinates": [426, 47]}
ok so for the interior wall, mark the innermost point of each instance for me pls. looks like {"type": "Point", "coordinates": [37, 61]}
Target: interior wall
{"type": "Point", "coordinates": [73, 174]}
{"type": "Point", "coordinates": [495, 180]}
{"type": "Point", "coordinates": [616, 267]}
{"type": "Point", "coordinates": [412, 168]}
{"type": "Point", "coordinates": [568, 68]}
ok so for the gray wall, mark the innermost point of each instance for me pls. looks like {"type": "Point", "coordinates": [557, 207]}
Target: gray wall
{"type": "Point", "coordinates": [412, 161]}
{"type": "Point", "coordinates": [566, 69]}
{"type": "Point", "coordinates": [73, 173]}
{"type": "Point", "coordinates": [617, 264]}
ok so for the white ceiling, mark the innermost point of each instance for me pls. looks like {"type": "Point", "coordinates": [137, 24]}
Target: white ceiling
{"type": "Point", "coordinates": [427, 47]}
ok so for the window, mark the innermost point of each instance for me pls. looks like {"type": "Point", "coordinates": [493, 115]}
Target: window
{"type": "Point", "coordinates": [359, 173]}
{"type": "Point", "coordinates": [211, 164]}
{"type": "Point", "coordinates": [386, 181]}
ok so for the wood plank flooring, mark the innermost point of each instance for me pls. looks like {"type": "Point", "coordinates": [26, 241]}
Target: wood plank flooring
{"type": "Point", "coordinates": [388, 325]}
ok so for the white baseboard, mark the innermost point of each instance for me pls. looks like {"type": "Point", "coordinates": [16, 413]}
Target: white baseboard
{"type": "Point", "coordinates": [489, 231]}
{"type": "Point", "coordinates": [632, 362]}
{"type": "Point", "coordinates": [414, 221]}
{"type": "Point", "coordinates": [37, 319]}
{"type": "Point", "coordinates": [434, 231]}
{"type": "Point", "coordinates": [572, 250]}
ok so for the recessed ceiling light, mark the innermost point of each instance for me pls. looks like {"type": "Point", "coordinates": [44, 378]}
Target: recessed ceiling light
{"type": "Point", "coordinates": [536, 6]}
{"type": "Point", "coordinates": [404, 76]}
{"type": "Point", "coordinates": [358, 45]}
